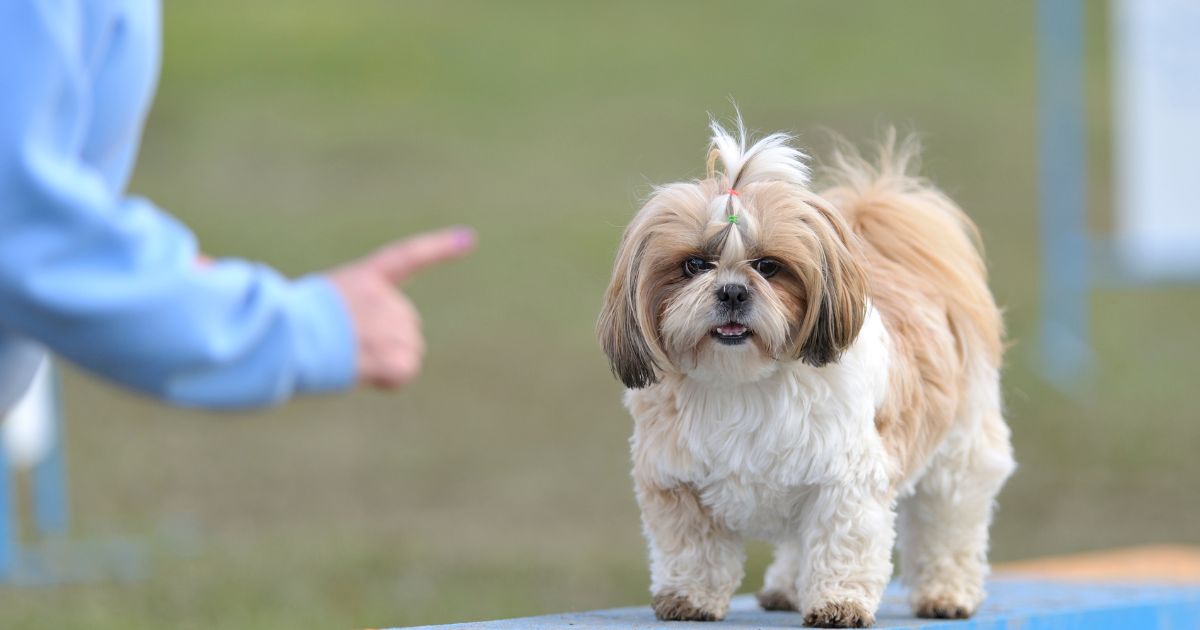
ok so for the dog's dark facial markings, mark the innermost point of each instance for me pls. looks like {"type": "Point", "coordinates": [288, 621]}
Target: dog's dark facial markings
{"type": "Point", "coordinates": [714, 245]}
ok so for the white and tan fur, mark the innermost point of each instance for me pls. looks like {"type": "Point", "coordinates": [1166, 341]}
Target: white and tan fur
{"type": "Point", "coordinates": [855, 394]}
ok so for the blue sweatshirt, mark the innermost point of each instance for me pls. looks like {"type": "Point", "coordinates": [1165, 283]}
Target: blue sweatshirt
{"type": "Point", "coordinates": [107, 280]}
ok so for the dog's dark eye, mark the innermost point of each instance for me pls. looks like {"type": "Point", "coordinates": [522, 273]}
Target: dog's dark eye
{"type": "Point", "coordinates": [766, 267]}
{"type": "Point", "coordinates": [695, 265]}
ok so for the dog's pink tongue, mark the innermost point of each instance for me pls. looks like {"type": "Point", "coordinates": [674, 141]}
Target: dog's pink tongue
{"type": "Point", "coordinates": [731, 330]}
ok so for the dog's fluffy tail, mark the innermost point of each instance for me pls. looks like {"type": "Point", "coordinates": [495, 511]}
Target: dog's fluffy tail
{"type": "Point", "coordinates": [906, 222]}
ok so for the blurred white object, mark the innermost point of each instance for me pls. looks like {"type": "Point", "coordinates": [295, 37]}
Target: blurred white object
{"type": "Point", "coordinates": [1156, 54]}
{"type": "Point", "coordinates": [28, 426]}
{"type": "Point", "coordinates": [19, 359]}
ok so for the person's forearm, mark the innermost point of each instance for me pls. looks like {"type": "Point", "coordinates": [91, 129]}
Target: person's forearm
{"type": "Point", "coordinates": [228, 334]}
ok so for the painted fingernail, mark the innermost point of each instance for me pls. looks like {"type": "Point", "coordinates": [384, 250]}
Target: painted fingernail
{"type": "Point", "coordinates": [464, 238]}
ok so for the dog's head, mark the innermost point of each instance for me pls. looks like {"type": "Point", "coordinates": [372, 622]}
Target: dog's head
{"type": "Point", "coordinates": [727, 277]}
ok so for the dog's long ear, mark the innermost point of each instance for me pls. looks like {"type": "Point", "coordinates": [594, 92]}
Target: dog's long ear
{"type": "Point", "coordinates": [837, 304]}
{"type": "Point", "coordinates": [620, 331]}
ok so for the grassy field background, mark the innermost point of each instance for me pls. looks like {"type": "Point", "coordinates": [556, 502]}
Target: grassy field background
{"type": "Point", "coordinates": [303, 133]}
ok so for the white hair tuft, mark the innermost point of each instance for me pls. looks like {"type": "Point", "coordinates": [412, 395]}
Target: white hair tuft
{"type": "Point", "coordinates": [770, 159]}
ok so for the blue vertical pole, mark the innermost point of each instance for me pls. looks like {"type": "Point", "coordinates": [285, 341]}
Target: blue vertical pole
{"type": "Point", "coordinates": [1062, 179]}
{"type": "Point", "coordinates": [49, 475]}
{"type": "Point", "coordinates": [8, 517]}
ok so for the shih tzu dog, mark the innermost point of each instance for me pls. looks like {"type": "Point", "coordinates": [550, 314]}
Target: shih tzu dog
{"type": "Point", "coordinates": [818, 369]}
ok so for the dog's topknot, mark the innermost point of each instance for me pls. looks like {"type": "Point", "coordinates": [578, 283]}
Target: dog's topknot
{"type": "Point", "coordinates": [772, 158]}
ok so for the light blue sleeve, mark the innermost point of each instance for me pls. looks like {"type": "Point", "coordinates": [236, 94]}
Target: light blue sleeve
{"type": "Point", "coordinates": [111, 282]}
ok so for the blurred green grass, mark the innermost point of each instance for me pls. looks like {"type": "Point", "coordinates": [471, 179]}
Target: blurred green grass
{"type": "Point", "coordinates": [303, 133]}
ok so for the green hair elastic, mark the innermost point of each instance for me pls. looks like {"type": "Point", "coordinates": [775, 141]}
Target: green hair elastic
{"type": "Point", "coordinates": [732, 218]}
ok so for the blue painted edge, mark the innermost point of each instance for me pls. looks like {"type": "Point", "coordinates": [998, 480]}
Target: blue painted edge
{"type": "Point", "coordinates": [1012, 603]}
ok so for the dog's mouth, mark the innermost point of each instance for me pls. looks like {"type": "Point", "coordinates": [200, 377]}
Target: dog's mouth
{"type": "Point", "coordinates": [731, 334]}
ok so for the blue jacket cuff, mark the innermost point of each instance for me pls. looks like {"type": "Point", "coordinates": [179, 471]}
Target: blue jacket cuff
{"type": "Point", "coordinates": [326, 347]}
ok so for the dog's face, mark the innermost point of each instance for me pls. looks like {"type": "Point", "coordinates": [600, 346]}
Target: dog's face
{"type": "Point", "coordinates": [728, 277]}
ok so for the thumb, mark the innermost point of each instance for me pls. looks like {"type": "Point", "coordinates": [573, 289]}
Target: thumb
{"type": "Point", "coordinates": [400, 260]}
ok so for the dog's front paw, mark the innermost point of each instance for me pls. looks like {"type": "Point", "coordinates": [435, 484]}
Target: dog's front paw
{"type": "Point", "coordinates": [942, 608]}
{"type": "Point", "coordinates": [839, 614]}
{"type": "Point", "coordinates": [776, 600]}
{"type": "Point", "coordinates": [676, 607]}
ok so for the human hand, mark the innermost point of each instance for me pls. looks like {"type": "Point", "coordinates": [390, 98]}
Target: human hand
{"type": "Point", "coordinates": [387, 326]}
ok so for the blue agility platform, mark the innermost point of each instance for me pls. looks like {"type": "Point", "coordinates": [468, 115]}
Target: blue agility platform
{"type": "Point", "coordinates": [1012, 603]}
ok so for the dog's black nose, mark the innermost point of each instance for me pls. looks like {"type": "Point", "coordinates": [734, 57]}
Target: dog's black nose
{"type": "Point", "coordinates": [733, 294]}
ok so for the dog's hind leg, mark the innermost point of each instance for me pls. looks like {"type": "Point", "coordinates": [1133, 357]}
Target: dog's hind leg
{"type": "Point", "coordinates": [779, 584]}
{"type": "Point", "coordinates": [695, 561]}
{"type": "Point", "coordinates": [943, 526]}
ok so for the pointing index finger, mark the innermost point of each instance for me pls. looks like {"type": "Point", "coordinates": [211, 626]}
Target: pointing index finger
{"type": "Point", "coordinates": [399, 261]}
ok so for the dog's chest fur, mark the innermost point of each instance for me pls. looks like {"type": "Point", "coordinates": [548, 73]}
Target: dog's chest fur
{"type": "Point", "coordinates": [755, 452]}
